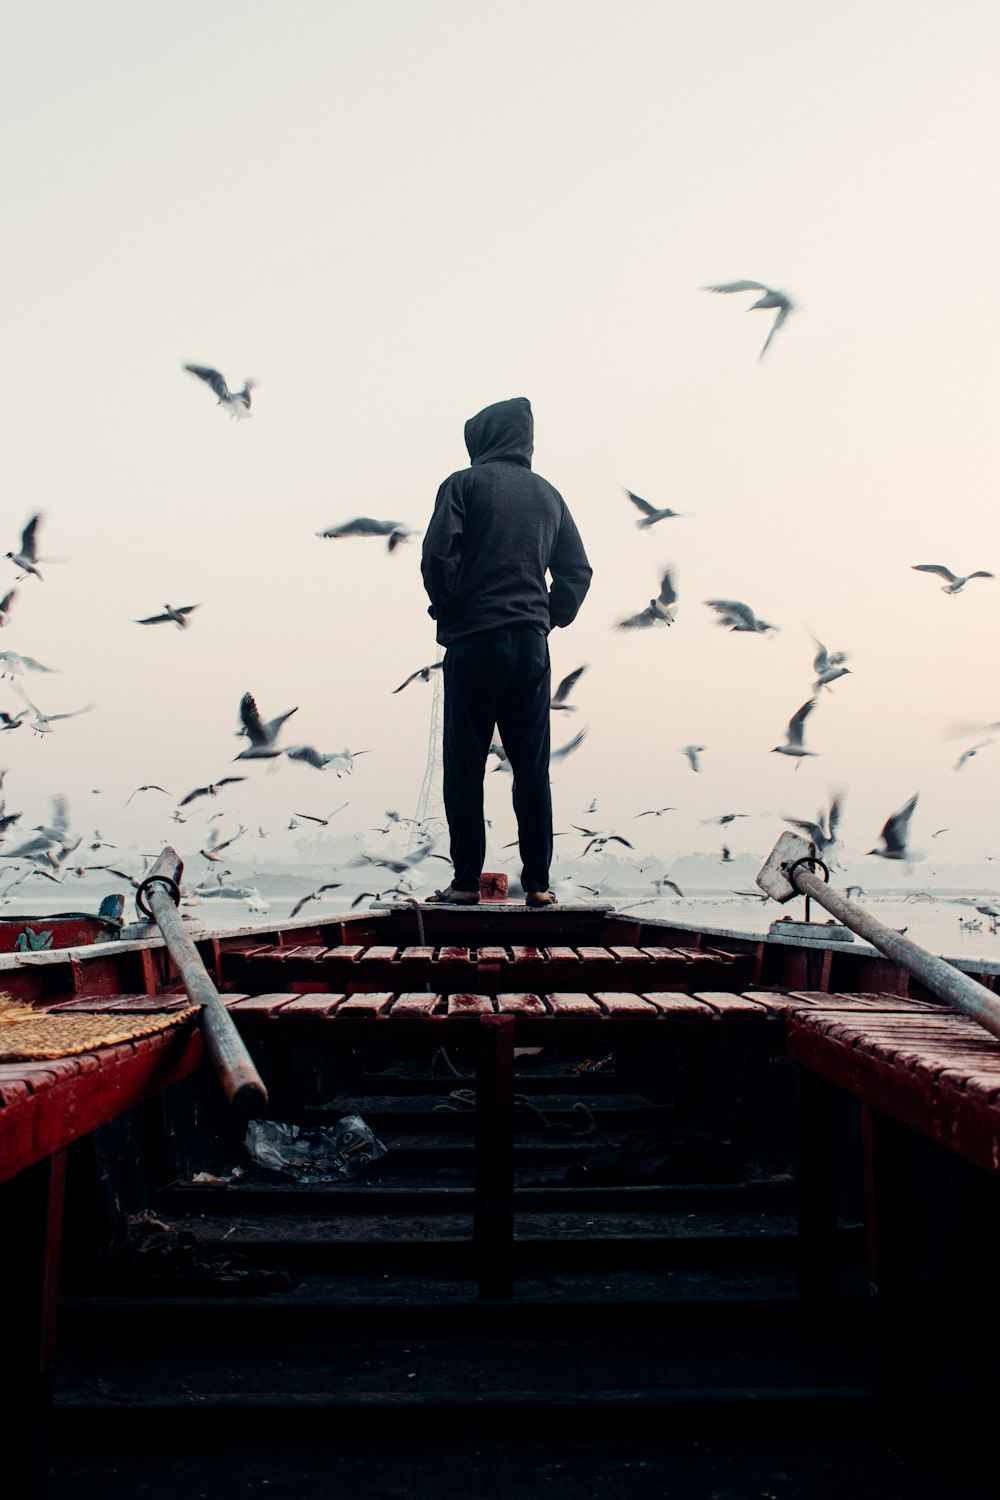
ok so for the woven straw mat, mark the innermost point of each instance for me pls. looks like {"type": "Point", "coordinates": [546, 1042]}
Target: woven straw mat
{"type": "Point", "coordinates": [27, 1035]}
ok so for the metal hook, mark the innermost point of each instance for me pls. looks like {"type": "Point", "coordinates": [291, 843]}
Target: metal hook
{"type": "Point", "coordinates": [814, 863]}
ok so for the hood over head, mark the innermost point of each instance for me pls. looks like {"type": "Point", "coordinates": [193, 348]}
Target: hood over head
{"type": "Point", "coordinates": [502, 433]}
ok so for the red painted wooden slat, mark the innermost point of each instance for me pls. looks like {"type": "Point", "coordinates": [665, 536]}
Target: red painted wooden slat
{"type": "Point", "coordinates": [565, 1004]}
{"type": "Point", "coordinates": [129, 1004]}
{"type": "Point", "coordinates": [670, 1003]}
{"type": "Point", "coordinates": [985, 1088]}
{"type": "Point", "coordinates": [308, 952]}
{"type": "Point", "coordinates": [262, 1004]}
{"type": "Point", "coordinates": [467, 1005]}
{"type": "Point", "coordinates": [730, 1005]}
{"type": "Point", "coordinates": [415, 1003]}
{"type": "Point", "coordinates": [12, 1086]}
{"type": "Point", "coordinates": [625, 1005]}
{"type": "Point", "coordinates": [488, 955]}
{"type": "Point", "coordinates": [323, 1004]}
{"type": "Point", "coordinates": [347, 951]}
{"type": "Point", "coordinates": [562, 954]}
{"type": "Point", "coordinates": [667, 953]}
{"type": "Point", "coordinates": [418, 955]}
{"type": "Point", "coordinates": [251, 950]}
{"type": "Point", "coordinates": [376, 1004]}
{"type": "Point", "coordinates": [631, 955]}
{"type": "Point", "coordinates": [525, 1005]}
{"type": "Point", "coordinates": [527, 955]}
{"type": "Point", "coordinates": [923, 1004]}
{"type": "Point", "coordinates": [39, 1076]}
{"type": "Point", "coordinates": [707, 956]}
{"type": "Point", "coordinates": [453, 956]}
{"type": "Point", "coordinates": [378, 954]}
{"type": "Point", "coordinates": [811, 1002]}
{"type": "Point", "coordinates": [596, 955]}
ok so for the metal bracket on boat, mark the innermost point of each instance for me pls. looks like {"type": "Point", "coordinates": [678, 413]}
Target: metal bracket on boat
{"type": "Point", "coordinates": [813, 863]}
{"type": "Point", "coordinates": [172, 888]}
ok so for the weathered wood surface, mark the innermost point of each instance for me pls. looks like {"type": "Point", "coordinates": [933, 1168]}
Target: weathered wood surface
{"type": "Point", "coordinates": [557, 968]}
{"type": "Point", "coordinates": [45, 1106]}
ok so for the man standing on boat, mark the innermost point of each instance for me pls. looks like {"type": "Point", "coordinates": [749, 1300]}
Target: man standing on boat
{"type": "Point", "coordinates": [498, 534]}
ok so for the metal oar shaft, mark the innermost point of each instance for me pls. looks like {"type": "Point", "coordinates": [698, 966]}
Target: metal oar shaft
{"type": "Point", "coordinates": [940, 977]}
{"type": "Point", "coordinates": [225, 1046]}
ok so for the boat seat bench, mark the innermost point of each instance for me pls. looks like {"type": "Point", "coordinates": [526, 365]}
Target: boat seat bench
{"type": "Point", "coordinates": [488, 969]}
{"type": "Point", "coordinates": [418, 1017]}
{"type": "Point", "coordinates": [933, 1070]}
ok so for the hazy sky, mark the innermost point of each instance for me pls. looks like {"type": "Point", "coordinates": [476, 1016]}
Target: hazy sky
{"type": "Point", "coordinates": [395, 213]}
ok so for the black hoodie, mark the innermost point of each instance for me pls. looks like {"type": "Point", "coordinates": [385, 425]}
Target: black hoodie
{"type": "Point", "coordinates": [497, 530]}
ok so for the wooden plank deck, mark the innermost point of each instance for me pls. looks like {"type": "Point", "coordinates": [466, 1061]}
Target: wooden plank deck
{"type": "Point", "coordinates": [559, 968]}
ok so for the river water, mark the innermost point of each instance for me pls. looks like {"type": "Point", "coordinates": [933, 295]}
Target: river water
{"type": "Point", "coordinates": [935, 924]}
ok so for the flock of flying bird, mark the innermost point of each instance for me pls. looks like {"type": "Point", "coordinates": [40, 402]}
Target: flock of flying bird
{"type": "Point", "coordinates": [47, 852]}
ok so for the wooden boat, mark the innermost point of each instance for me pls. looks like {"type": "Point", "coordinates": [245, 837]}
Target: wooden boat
{"type": "Point", "coordinates": [816, 1145]}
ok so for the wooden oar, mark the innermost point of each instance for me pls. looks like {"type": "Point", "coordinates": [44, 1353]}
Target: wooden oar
{"type": "Point", "coordinates": [783, 876]}
{"type": "Point", "coordinates": [232, 1061]}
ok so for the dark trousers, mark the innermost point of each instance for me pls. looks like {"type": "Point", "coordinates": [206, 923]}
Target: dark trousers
{"type": "Point", "coordinates": [498, 679]}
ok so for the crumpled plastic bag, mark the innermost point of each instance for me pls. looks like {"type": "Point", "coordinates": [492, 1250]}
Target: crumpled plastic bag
{"type": "Point", "coordinates": [314, 1153]}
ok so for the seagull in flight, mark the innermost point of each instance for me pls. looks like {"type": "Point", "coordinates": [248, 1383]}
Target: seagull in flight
{"type": "Point", "coordinates": [738, 617]}
{"type": "Point", "coordinates": [564, 689]}
{"type": "Point", "coordinates": [213, 849]}
{"type": "Point", "coordinates": [772, 299]}
{"type": "Point", "coordinates": [13, 665]}
{"type": "Point", "coordinates": [424, 673]}
{"type": "Point", "coordinates": [397, 866]}
{"type": "Point", "coordinates": [212, 790]}
{"type": "Point", "coordinates": [954, 583]}
{"type": "Point", "coordinates": [692, 752]}
{"type": "Point", "coordinates": [323, 822]}
{"type": "Point", "coordinates": [341, 761]}
{"type": "Point", "coordinates": [503, 759]}
{"type": "Point", "coordinates": [237, 402]}
{"type": "Point", "coordinates": [5, 604]}
{"type": "Point", "coordinates": [263, 737]}
{"type": "Point", "coordinates": [150, 786]}
{"type": "Point", "coordinates": [650, 515]}
{"type": "Point", "coordinates": [601, 839]}
{"type": "Point", "coordinates": [822, 836]}
{"type": "Point", "coordinates": [828, 666]}
{"type": "Point", "coordinates": [42, 723]}
{"type": "Point", "coordinates": [968, 754]}
{"type": "Point", "coordinates": [896, 832]}
{"type": "Point", "coordinates": [27, 557]}
{"type": "Point", "coordinates": [368, 526]}
{"type": "Point", "coordinates": [570, 745]}
{"type": "Point", "coordinates": [659, 611]}
{"type": "Point", "coordinates": [331, 885]}
{"type": "Point", "coordinates": [179, 616]}
{"type": "Point", "coordinates": [796, 730]}
{"type": "Point", "coordinates": [655, 812]}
